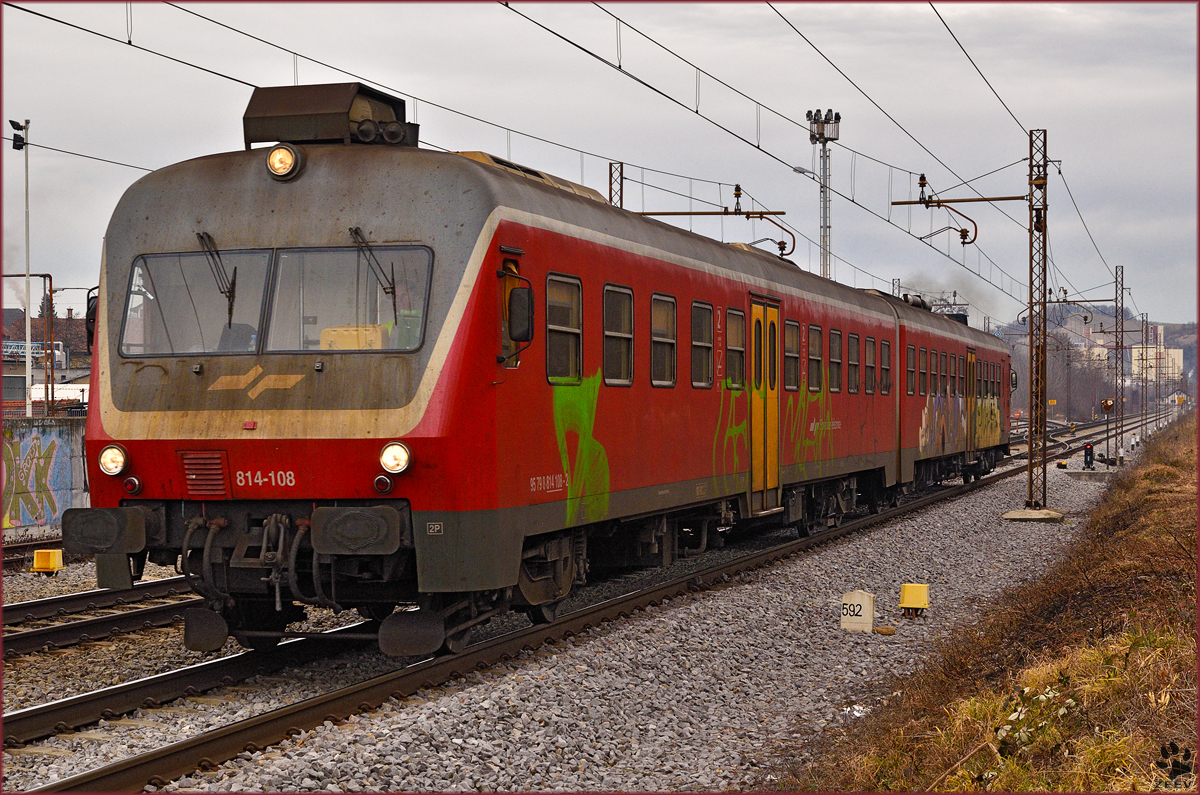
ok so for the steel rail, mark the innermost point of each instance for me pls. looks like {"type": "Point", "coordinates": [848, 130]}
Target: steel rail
{"type": "Point", "coordinates": [35, 609]}
{"type": "Point", "coordinates": [206, 751]}
{"type": "Point", "coordinates": [73, 632]}
{"type": "Point", "coordinates": [44, 720]}
{"type": "Point", "coordinates": [251, 734]}
{"type": "Point", "coordinates": [21, 551]}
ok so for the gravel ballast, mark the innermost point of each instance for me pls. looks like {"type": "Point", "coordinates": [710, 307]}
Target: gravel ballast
{"type": "Point", "coordinates": [690, 695]}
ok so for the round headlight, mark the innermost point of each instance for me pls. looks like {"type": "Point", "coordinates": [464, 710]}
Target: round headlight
{"type": "Point", "coordinates": [284, 161]}
{"type": "Point", "coordinates": [394, 457]}
{"type": "Point", "coordinates": [112, 460]}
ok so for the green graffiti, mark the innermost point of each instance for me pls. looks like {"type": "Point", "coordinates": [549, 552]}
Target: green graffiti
{"type": "Point", "coordinates": [28, 492]}
{"type": "Point", "coordinates": [587, 467]}
{"type": "Point", "coordinates": [731, 439]}
{"type": "Point", "coordinates": [807, 426]}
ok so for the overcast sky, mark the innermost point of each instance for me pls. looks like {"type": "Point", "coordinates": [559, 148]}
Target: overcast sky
{"type": "Point", "coordinates": [1114, 85]}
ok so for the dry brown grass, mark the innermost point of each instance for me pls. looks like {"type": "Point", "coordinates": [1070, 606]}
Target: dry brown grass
{"type": "Point", "coordinates": [1091, 668]}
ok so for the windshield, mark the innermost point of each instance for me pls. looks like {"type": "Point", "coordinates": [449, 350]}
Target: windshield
{"type": "Point", "coordinates": [178, 305]}
{"type": "Point", "coordinates": [344, 299]}
{"type": "Point", "coordinates": [337, 299]}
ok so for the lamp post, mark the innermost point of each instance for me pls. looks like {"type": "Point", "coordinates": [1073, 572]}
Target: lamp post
{"type": "Point", "coordinates": [822, 130]}
{"type": "Point", "coordinates": [21, 141]}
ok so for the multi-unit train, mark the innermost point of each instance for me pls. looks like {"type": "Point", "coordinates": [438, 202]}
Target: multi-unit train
{"type": "Point", "coordinates": [342, 370]}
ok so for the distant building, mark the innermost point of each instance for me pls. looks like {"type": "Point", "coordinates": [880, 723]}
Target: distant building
{"type": "Point", "coordinates": [1153, 357]}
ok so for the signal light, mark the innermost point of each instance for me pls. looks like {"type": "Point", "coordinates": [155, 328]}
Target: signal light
{"type": "Point", "coordinates": [393, 132]}
{"type": "Point", "coordinates": [367, 131]}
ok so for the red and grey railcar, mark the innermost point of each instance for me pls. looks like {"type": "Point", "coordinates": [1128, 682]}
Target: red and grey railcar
{"type": "Point", "coordinates": [345, 371]}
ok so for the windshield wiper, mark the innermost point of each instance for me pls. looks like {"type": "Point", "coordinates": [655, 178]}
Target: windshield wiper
{"type": "Point", "coordinates": [226, 285]}
{"type": "Point", "coordinates": [388, 284]}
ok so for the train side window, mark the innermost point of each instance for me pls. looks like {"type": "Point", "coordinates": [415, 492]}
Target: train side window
{"type": "Point", "coordinates": [912, 370]}
{"type": "Point", "coordinates": [995, 382]}
{"type": "Point", "coordinates": [962, 376]}
{"type": "Point", "coordinates": [944, 383]}
{"type": "Point", "coordinates": [979, 378]}
{"type": "Point", "coordinates": [953, 375]}
{"type": "Point", "coordinates": [791, 355]}
{"type": "Point", "coordinates": [933, 372]}
{"type": "Point", "coordinates": [735, 349]}
{"type": "Point", "coordinates": [924, 372]}
{"type": "Point", "coordinates": [885, 367]}
{"type": "Point", "coordinates": [772, 354]}
{"type": "Point", "coordinates": [852, 363]}
{"type": "Point", "coordinates": [835, 360]}
{"type": "Point", "coordinates": [662, 340]}
{"type": "Point", "coordinates": [702, 345]}
{"type": "Point", "coordinates": [758, 357]}
{"type": "Point", "coordinates": [869, 366]}
{"type": "Point", "coordinates": [564, 330]}
{"type": "Point", "coordinates": [618, 336]}
{"type": "Point", "coordinates": [814, 358]}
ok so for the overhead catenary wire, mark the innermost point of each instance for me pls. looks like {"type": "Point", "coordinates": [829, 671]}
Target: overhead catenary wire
{"type": "Point", "coordinates": [425, 142]}
{"type": "Point", "coordinates": [484, 121]}
{"type": "Point", "coordinates": [129, 44]}
{"type": "Point", "coordinates": [759, 104]}
{"type": "Point", "coordinates": [891, 118]}
{"type": "Point", "coordinates": [429, 102]}
{"type": "Point", "coordinates": [1024, 129]}
{"type": "Point", "coordinates": [1085, 226]}
{"type": "Point", "coordinates": [80, 154]}
{"type": "Point", "coordinates": [766, 152]}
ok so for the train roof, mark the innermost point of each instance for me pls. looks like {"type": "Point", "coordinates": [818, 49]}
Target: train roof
{"type": "Point", "coordinates": [421, 185]}
{"type": "Point", "coordinates": [512, 187]}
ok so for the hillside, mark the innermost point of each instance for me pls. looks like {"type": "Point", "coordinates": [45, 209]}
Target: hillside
{"type": "Point", "coordinates": [1083, 680]}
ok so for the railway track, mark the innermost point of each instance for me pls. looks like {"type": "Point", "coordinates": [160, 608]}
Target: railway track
{"type": "Point", "coordinates": [207, 750]}
{"type": "Point", "coordinates": [80, 630]}
{"type": "Point", "coordinates": [211, 748]}
{"type": "Point", "coordinates": [21, 552]}
{"type": "Point", "coordinates": [21, 612]}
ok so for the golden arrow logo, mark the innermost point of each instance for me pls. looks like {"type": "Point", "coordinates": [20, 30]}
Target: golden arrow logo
{"type": "Point", "coordinates": [274, 382]}
{"type": "Point", "coordinates": [236, 381]}
{"type": "Point", "coordinates": [243, 381]}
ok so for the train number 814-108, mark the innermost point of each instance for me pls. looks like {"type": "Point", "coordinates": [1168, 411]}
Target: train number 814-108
{"type": "Point", "coordinates": [280, 478]}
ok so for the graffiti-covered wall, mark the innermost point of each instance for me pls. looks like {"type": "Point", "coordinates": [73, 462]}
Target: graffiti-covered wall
{"type": "Point", "coordinates": [43, 475]}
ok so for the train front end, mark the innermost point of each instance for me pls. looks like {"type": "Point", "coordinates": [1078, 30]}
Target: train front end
{"type": "Point", "coordinates": [270, 380]}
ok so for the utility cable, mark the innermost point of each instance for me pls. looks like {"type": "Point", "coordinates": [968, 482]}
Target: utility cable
{"type": "Point", "coordinates": [885, 113]}
{"type": "Point", "coordinates": [80, 154]}
{"type": "Point", "coordinates": [742, 94]}
{"type": "Point", "coordinates": [129, 44]}
{"type": "Point", "coordinates": [431, 103]}
{"type": "Point", "coordinates": [1024, 129]}
{"type": "Point", "coordinates": [768, 153]}
{"type": "Point", "coordinates": [1085, 226]}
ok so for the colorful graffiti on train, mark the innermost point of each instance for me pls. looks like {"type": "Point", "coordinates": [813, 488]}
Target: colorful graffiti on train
{"type": "Point", "coordinates": [38, 477]}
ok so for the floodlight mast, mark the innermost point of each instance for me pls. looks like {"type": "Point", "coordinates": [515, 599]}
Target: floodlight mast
{"type": "Point", "coordinates": [822, 130]}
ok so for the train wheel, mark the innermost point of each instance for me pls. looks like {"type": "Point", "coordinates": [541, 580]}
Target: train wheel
{"type": "Point", "coordinates": [544, 613]}
{"type": "Point", "coordinates": [458, 642]}
{"type": "Point", "coordinates": [376, 612]}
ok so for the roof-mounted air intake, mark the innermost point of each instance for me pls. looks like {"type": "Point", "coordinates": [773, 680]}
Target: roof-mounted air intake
{"type": "Point", "coordinates": [331, 113]}
{"type": "Point", "coordinates": [916, 300]}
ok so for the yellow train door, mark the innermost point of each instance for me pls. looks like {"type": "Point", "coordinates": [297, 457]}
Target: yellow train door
{"type": "Point", "coordinates": [764, 409]}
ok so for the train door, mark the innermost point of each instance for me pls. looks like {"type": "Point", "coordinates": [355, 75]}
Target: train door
{"type": "Point", "coordinates": [970, 401]}
{"type": "Point", "coordinates": [764, 408]}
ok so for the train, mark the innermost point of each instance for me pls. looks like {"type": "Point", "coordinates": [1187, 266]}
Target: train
{"type": "Point", "coordinates": [339, 369]}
